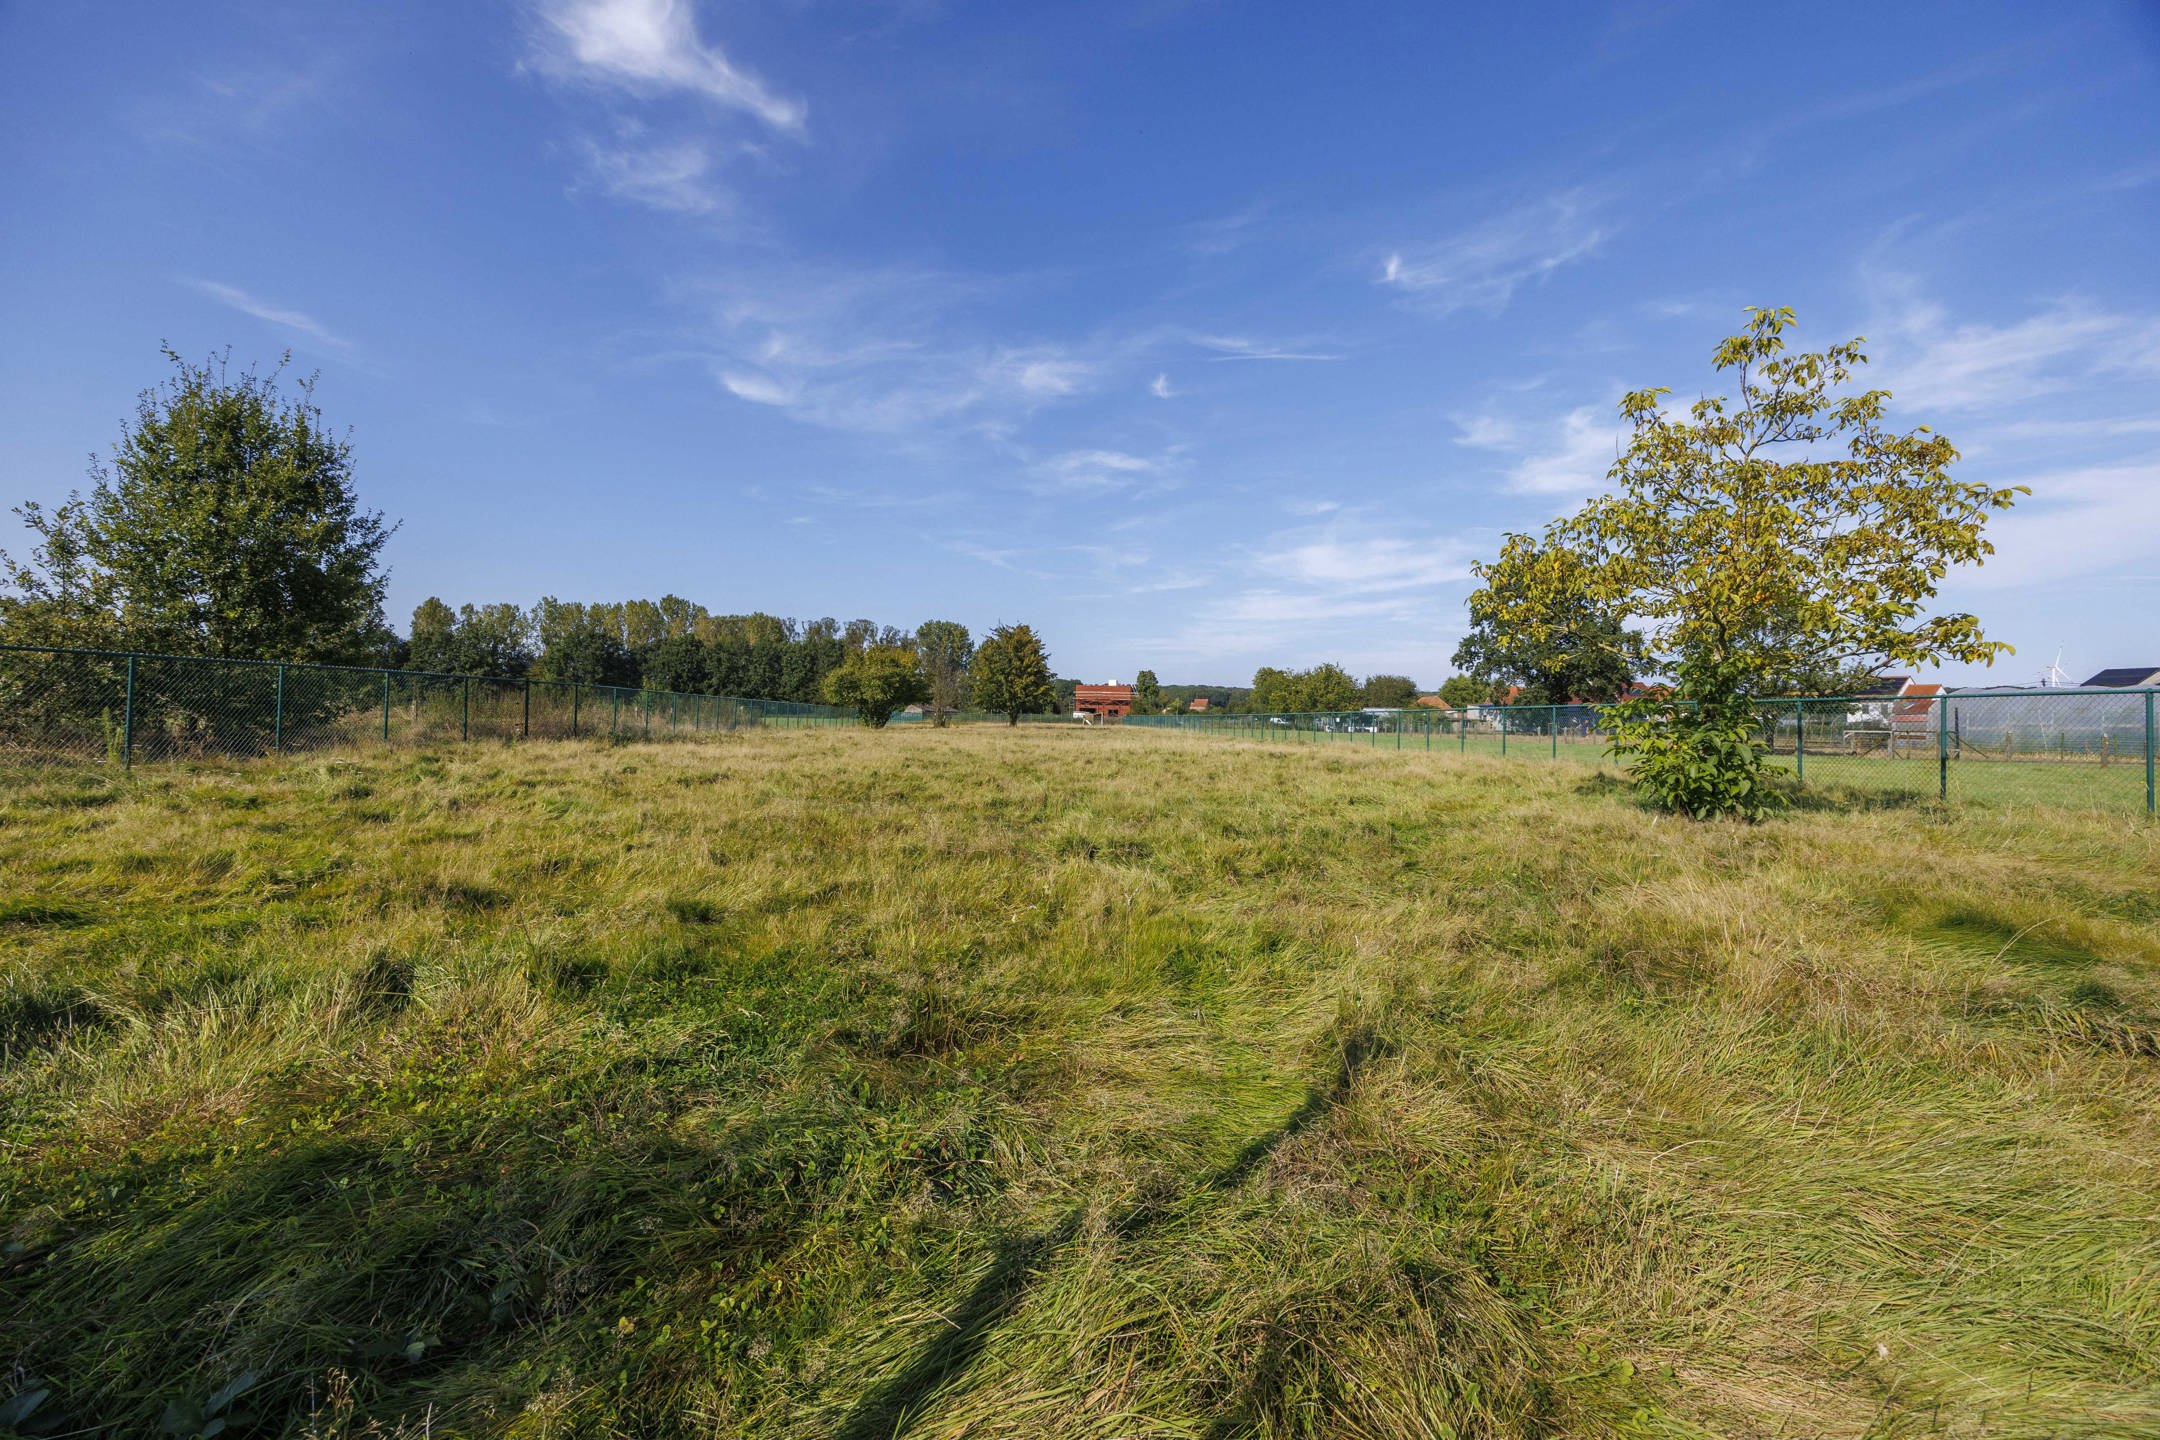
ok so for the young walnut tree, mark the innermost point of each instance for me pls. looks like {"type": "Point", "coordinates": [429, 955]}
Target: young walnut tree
{"type": "Point", "coordinates": [1756, 540]}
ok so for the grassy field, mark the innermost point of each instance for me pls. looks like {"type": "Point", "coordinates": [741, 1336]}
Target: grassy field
{"type": "Point", "coordinates": [1065, 1083]}
{"type": "Point", "coordinates": [2082, 782]}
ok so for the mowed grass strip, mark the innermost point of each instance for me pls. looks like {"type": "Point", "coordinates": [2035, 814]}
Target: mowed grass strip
{"type": "Point", "coordinates": [1064, 1083]}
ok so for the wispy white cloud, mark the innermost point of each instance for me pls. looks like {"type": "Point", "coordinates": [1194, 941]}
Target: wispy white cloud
{"type": "Point", "coordinates": [1930, 364]}
{"type": "Point", "coordinates": [650, 47]}
{"type": "Point", "coordinates": [1568, 457]}
{"type": "Point", "coordinates": [1590, 440]}
{"type": "Point", "coordinates": [1482, 266]}
{"type": "Point", "coordinates": [899, 352]}
{"type": "Point", "coordinates": [758, 389]}
{"type": "Point", "coordinates": [1486, 432]}
{"type": "Point", "coordinates": [1234, 347]}
{"type": "Point", "coordinates": [1083, 472]}
{"type": "Point", "coordinates": [1160, 387]}
{"type": "Point", "coordinates": [1323, 590]}
{"type": "Point", "coordinates": [1356, 561]}
{"type": "Point", "coordinates": [2077, 523]}
{"type": "Point", "coordinates": [294, 320]}
{"type": "Point", "coordinates": [676, 175]}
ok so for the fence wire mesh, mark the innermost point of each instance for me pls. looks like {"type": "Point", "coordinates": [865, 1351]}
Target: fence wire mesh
{"type": "Point", "coordinates": [96, 706]}
{"type": "Point", "coordinates": [2082, 747]}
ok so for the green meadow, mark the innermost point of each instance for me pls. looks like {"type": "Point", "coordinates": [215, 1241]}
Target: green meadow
{"type": "Point", "coordinates": [1060, 1082]}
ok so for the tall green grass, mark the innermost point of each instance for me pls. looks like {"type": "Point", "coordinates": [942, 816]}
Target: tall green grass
{"type": "Point", "coordinates": [1065, 1083]}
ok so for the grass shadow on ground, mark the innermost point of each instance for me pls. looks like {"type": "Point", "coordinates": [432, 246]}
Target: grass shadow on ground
{"type": "Point", "coordinates": [1018, 1262]}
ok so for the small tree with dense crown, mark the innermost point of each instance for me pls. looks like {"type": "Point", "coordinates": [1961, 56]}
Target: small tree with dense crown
{"type": "Point", "coordinates": [878, 683]}
{"type": "Point", "coordinates": [946, 648]}
{"type": "Point", "coordinates": [226, 524]}
{"type": "Point", "coordinates": [1578, 648]}
{"type": "Point", "coordinates": [1011, 674]}
{"type": "Point", "coordinates": [1746, 568]}
{"type": "Point", "coordinates": [1463, 690]}
{"type": "Point", "coordinates": [1146, 694]}
{"type": "Point", "coordinates": [1390, 692]}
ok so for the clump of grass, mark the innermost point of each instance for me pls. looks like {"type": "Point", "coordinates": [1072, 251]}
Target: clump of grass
{"type": "Point", "coordinates": [1065, 1083]}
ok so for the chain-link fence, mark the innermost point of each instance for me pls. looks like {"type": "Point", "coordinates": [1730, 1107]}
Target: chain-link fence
{"type": "Point", "coordinates": [73, 706]}
{"type": "Point", "coordinates": [2067, 746]}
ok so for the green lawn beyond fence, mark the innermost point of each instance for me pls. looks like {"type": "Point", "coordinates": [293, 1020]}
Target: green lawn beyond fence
{"type": "Point", "coordinates": [2081, 747]}
{"type": "Point", "coordinates": [73, 706]}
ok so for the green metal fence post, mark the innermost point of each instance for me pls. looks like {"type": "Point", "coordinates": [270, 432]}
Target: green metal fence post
{"type": "Point", "coordinates": [1503, 734]}
{"type": "Point", "coordinates": [648, 714]}
{"type": "Point", "coordinates": [525, 729]}
{"type": "Point", "coordinates": [1552, 716]}
{"type": "Point", "coordinates": [1799, 740]}
{"type": "Point", "coordinates": [573, 709]}
{"type": "Point", "coordinates": [127, 725]}
{"type": "Point", "coordinates": [1942, 747]}
{"type": "Point", "coordinates": [465, 714]}
{"type": "Point", "coordinates": [614, 714]}
{"type": "Point", "coordinates": [2148, 752]}
{"type": "Point", "coordinates": [277, 732]}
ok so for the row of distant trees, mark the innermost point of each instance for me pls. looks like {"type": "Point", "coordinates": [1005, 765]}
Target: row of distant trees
{"type": "Point", "coordinates": [226, 523]}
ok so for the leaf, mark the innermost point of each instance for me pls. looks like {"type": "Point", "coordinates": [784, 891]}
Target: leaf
{"type": "Point", "coordinates": [230, 1391]}
{"type": "Point", "coordinates": [18, 1407]}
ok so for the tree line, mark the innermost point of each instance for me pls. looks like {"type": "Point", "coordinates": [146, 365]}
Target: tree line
{"type": "Point", "coordinates": [226, 523]}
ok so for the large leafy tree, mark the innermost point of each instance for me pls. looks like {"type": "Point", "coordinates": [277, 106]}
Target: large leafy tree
{"type": "Point", "coordinates": [471, 640]}
{"type": "Point", "coordinates": [878, 683]}
{"type": "Point", "coordinates": [1011, 675]}
{"type": "Point", "coordinates": [1757, 539]}
{"type": "Point", "coordinates": [946, 648]}
{"type": "Point", "coordinates": [1147, 693]}
{"type": "Point", "coordinates": [1462, 690]}
{"type": "Point", "coordinates": [580, 643]}
{"type": "Point", "coordinates": [225, 523]}
{"type": "Point", "coordinates": [1577, 649]}
{"type": "Point", "coordinates": [1392, 692]}
{"type": "Point", "coordinates": [1323, 687]}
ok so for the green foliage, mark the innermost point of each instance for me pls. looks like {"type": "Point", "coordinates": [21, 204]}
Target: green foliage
{"type": "Point", "coordinates": [474, 640]}
{"type": "Point", "coordinates": [879, 683]}
{"type": "Point", "coordinates": [1750, 572]}
{"type": "Point", "coordinates": [212, 1416]}
{"type": "Point", "coordinates": [946, 649]}
{"type": "Point", "coordinates": [1464, 690]}
{"type": "Point", "coordinates": [1147, 696]}
{"type": "Point", "coordinates": [1011, 674]}
{"type": "Point", "coordinates": [1537, 624]}
{"type": "Point", "coordinates": [1701, 759]}
{"type": "Point", "coordinates": [1389, 692]}
{"type": "Point", "coordinates": [1324, 687]}
{"type": "Point", "coordinates": [578, 643]}
{"type": "Point", "coordinates": [226, 524]}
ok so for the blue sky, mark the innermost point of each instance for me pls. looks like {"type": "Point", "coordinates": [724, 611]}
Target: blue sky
{"type": "Point", "coordinates": [1200, 335]}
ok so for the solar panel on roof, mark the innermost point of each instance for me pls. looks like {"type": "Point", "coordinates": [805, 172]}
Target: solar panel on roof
{"type": "Point", "coordinates": [2127, 677]}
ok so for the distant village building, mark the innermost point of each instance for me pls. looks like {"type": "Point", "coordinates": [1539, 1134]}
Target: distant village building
{"type": "Point", "coordinates": [1197, 704]}
{"type": "Point", "coordinates": [1434, 702]}
{"type": "Point", "coordinates": [1102, 702]}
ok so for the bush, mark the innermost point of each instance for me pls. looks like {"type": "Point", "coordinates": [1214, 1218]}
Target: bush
{"type": "Point", "coordinates": [1701, 758]}
{"type": "Point", "coordinates": [876, 684]}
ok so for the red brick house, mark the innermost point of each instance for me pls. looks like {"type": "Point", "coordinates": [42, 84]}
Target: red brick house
{"type": "Point", "coordinates": [1108, 702]}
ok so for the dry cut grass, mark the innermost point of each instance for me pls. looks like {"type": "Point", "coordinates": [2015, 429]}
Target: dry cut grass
{"type": "Point", "coordinates": [1062, 1083]}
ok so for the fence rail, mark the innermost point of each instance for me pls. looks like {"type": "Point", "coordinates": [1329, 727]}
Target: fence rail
{"type": "Point", "coordinates": [2079, 747]}
{"type": "Point", "coordinates": [75, 706]}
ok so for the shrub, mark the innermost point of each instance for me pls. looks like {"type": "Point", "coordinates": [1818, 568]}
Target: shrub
{"type": "Point", "coordinates": [1699, 758]}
